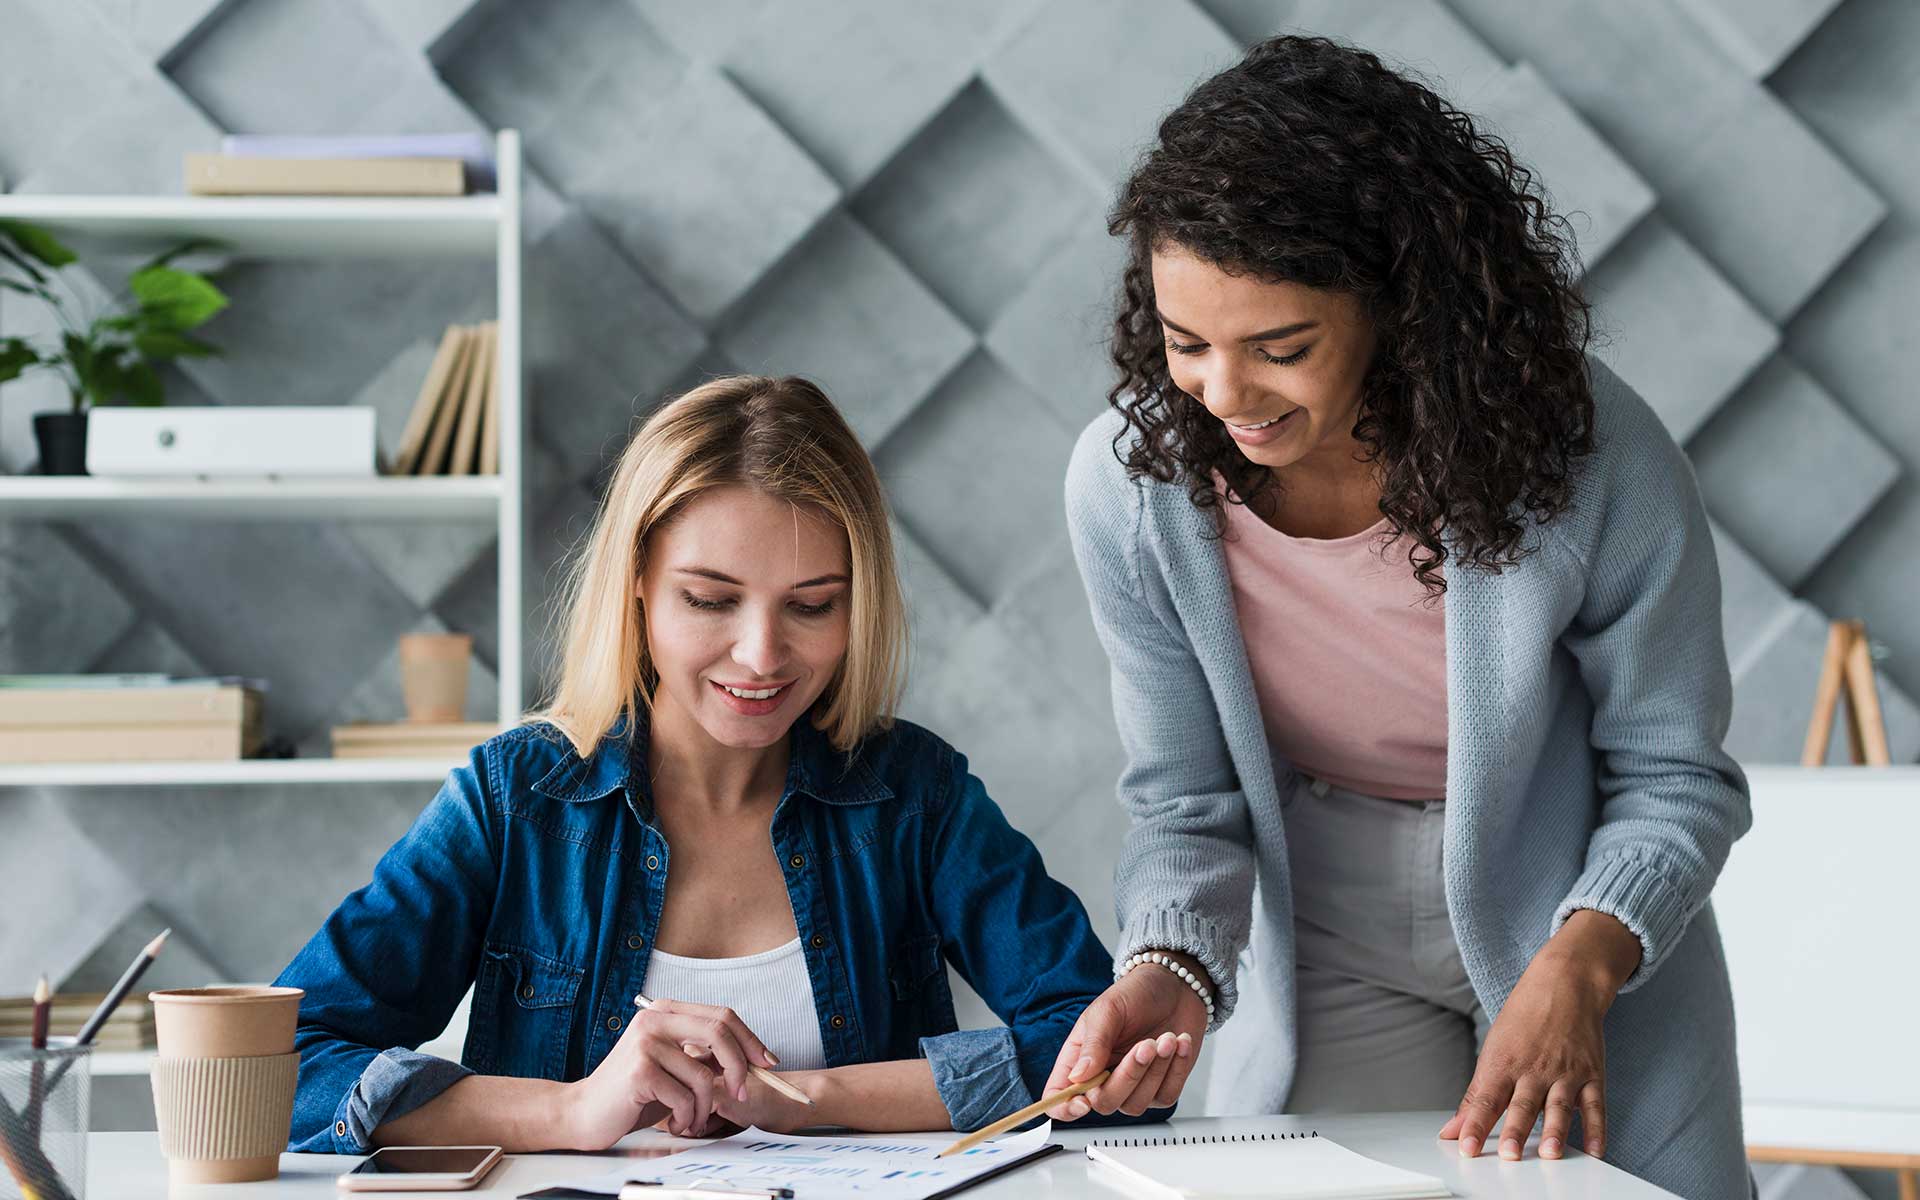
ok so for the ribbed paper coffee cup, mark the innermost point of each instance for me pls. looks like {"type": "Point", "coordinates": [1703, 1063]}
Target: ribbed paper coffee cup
{"type": "Point", "coordinates": [224, 1120]}
{"type": "Point", "coordinates": [224, 1081]}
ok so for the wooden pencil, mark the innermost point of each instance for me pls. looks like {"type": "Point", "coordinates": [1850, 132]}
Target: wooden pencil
{"type": "Point", "coordinates": [1024, 1115]}
{"type": "Point", "coordinates": [761, 1073]}
{"type": "Point", "coordinates": [37, 1077]}
{"type": "Point", "coordinates": [128, 978]}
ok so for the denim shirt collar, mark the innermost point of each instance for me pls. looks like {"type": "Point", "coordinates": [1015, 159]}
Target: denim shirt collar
{"type": "Point", "coordinates": [814, 768]}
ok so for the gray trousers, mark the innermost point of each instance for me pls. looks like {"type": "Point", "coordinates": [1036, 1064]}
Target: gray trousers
{"type": "Point", "coordinates": [1385, 1017]}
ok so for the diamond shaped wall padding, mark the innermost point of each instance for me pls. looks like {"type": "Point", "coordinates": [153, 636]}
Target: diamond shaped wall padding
{"type": "Point", "coordinates": [999, 707]}
{"type": "Point", "coordinates": [57, 613]}
{"type": "Point", "coordinates": [69, 80]}
{"type": "Point", "coordinates": [288, 602]}
{"type": "Point", "coordinates": [1053, 336]}
{"type": "Point", "coordinates": [1671, 326]}
{"type": "Point", "coordinates": [844, 313]}
{"type": "Point", "coordinates": [702, 29]}
{"type": "Point", "coordinates": [419, 24]}
{"type": "Point", "coordinates": [1736, 174]}
{"type": "Point", "coordinates": [988, 527]}
{"type": "Point", "coordinates": [156, 28]}
{"type": "Point", "coordinates": [939, 609]}
{"type": "Point", "coordinates": [1046, 612]}
{"type": "Point", "coordinates": [972, 203]}
{"type": "Point", "coordinates": [1423, 37]}
{"type": "Point", "coordinates": [1759, 34]}
{"type": "Point", "coordinates": [1753, 605]}
{"type": "Point", "coordinates": [299, 68]}
{"type": "Point", "coordinates": [381, 697]}
{"type": "Point", "coordinates": [216, 860]}
{"type": "Point", "coordinates": [148, 649]}
{"type": "Point", "coordinates": [604, 103]}
{"type": "Point", "coordinates": [1590, 185]}
{"type": "Point", "coordinates": [1773, 699]}
{"type": "Point", "coordinates": [183, 964]}
{"type": "Point", "coordinates": [272, 353]}
{"type": "Point", "coordinates": [1823, 470]}
{"type": "Point", "coordinates": [1770, 204]}
{"type": "Point", "coordinates": [76, 893]}
{"type": "Point", "coordinates": [1092, 78]}
{"type": "Point", "coordinates": [851, 81]}
{"type": "Point", "coordinates": [603, 343]}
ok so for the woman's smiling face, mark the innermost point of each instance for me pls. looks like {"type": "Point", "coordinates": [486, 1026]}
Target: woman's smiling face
{"type": "Point", "coordinates": [1281, 365]}
{"type": "Point", "coordinates": [745, 599]}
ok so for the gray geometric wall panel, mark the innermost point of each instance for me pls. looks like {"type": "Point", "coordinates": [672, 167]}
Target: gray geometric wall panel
{"type": "Point", "coordinates": [906, 202]}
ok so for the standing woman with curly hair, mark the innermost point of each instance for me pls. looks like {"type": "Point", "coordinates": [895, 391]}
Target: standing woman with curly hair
{"type": "Point", "coordinates": [1414, 624]}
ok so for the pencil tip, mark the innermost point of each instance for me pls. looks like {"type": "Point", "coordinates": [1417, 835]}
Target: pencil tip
{"type": "Point", "coordinates": [153, 947]}
{"type": "Point", "coordinates": [41, 992]}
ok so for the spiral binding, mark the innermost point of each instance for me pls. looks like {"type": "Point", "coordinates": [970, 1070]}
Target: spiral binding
{"type": "Point", "coordinates": [1211, 1139]}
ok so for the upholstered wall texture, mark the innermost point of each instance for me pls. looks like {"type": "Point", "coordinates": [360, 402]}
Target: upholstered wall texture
{"type": "Point", "coordinates": [905, 202]}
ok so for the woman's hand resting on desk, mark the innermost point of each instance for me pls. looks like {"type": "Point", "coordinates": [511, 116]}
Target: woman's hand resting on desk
{"type": "Point", "coordinates": [1546, 1052]}
{"type": "Point", "coordinates": [673, 1065]}
{"type": "Point", "coordinates": [1147, 1027]}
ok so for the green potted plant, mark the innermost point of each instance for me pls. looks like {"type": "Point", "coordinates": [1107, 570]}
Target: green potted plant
{"type": "Point", "coordinates": [109, 357]}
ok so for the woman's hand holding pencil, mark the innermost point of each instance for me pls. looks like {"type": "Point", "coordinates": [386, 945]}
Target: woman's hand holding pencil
{"type": "Point", "coordinates": [1146, 1028]}
{"type": "Point", "coordinates": [657, 1070]}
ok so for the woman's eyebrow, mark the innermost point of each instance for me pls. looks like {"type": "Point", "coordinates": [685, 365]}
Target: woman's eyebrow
{"type": "Point", "coordinates": [1265, 335]}
{"type": "Point", "coordinates": [721, 577]}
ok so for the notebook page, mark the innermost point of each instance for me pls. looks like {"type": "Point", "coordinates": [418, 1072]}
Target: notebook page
{"type": "Point", "coordinates": [1299, 1168]}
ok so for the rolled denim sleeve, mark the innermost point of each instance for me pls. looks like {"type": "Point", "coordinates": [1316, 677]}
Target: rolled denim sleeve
{"type": "Point", "coordinates": [388, 968]}
{"type": "Point", "coordinates": [977, 1073]}
{"type": "Point", "coordinates": [1022, 940]}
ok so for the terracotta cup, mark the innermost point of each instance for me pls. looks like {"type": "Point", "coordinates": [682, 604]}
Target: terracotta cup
{"type": "Point", "coordinates": [433, 675]}
{"type": "Point", "coordinates": [223, 1083]}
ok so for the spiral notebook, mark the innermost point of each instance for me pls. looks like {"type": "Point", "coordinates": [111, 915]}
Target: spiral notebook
{"type": "Point", "coordinates": [1284, 1166]}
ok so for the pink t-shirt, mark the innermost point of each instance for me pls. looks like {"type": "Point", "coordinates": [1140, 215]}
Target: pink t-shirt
{"type": "Point", "coordinates": [1349, 657]}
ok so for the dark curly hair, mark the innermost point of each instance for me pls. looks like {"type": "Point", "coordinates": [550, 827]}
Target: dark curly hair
{"type": "Point", "coordinates": [1310, 162]}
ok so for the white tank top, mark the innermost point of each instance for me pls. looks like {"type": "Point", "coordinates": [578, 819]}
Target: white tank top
{"type": "Point", "coordinates": [769, 990]}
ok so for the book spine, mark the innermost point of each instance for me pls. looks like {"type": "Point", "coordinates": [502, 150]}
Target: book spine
{"type": "Point", "coordinates": [181, 743]}
{"type": "Point", "coordinates": [218, 175]}
{"type": "Point", "coordinates": [132, 706]}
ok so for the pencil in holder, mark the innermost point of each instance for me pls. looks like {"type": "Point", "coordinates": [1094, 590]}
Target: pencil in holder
{"type": "Point", "coordinates": [44, 1099]}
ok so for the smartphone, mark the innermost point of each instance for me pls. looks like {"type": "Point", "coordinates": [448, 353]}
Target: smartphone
{"type": "Point", "coordinates": [421, 1169]}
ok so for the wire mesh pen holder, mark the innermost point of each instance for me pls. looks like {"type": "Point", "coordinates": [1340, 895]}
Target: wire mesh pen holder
{"type": "Point", "coordinates": [43, 1119]}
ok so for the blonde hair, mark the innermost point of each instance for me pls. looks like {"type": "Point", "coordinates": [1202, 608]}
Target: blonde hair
{"type": "Point", "coordinates": [778, 436]}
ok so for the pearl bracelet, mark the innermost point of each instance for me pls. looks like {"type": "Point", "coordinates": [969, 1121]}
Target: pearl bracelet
{"type": "Point", "coordinates": [1185, 976]}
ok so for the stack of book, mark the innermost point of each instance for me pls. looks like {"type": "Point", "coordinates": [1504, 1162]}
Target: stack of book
{"type": "Point", "coordinates": [454, 428]}
{"type": "Point", "coordinates": [129, 1028]}
{"type": "Point", "coordinates": [411, 739]}
{"type": "Point", "coordinates": [127, 718]}
{"type": "Point", "coordinates": [401, 165]}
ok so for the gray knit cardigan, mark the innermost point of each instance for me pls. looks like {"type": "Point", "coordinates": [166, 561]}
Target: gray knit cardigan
{"type": "Point", "coordinates": [1587, 697]}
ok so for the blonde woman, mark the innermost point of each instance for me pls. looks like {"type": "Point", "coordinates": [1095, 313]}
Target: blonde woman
{"type": "Point", "coordinates": [716, 809]}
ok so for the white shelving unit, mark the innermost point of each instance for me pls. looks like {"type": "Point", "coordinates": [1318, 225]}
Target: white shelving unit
{"type": "Point", "coordinates": [248, 227]}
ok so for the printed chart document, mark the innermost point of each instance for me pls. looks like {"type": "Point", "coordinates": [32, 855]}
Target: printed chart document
{"type": "Point", "coordinates": [857, 1166]}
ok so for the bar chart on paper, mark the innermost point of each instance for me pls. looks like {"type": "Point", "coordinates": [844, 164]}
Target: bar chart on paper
{"type": "Point", "coordinates": [866, 1167]}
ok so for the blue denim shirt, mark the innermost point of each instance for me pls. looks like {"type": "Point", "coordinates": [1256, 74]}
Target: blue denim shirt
{"type": "Point", "coordinates": [538, 877]}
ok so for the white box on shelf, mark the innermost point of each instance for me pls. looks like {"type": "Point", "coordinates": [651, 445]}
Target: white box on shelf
{"type": "Point", "coordinates": [231, 440]}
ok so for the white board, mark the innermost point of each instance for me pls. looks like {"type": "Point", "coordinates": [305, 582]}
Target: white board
{"type": "Point", "coordinates": [1819, 907]}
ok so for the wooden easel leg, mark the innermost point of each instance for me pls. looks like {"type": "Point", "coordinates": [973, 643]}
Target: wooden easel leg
{"type": "Point", "coordinates": [1867, 726]}
{"type": "Point", "coordinates": [1826, 696]}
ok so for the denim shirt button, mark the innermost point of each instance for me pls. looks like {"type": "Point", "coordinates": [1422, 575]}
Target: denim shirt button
{"type": "Point", "coordinates": [819, 941]}
{"type": "Point", "coordinates": [526, 991]}
{"type": "Point", "coordinates": [797, 861]}
{"type": "Point", "coordinates": [635, 941]}
{"type": "Point", "coordinates": [653, 862]}
{"type": "Point", "coordinates": [339, 1129]}
{"type": "Point", "coordinates": [613, 1022]}
{"type": "Point", "coordinates": [837, 1021]}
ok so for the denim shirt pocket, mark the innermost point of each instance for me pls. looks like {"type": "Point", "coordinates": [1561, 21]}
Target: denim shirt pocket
{"type": "Point", "coordinates": [524, 1002]}
{"type": "Point", "coordinates": [918, 977]}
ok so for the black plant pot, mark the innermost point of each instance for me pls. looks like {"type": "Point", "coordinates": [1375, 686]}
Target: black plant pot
{"type": "Point", "coordinates": [63, 442]}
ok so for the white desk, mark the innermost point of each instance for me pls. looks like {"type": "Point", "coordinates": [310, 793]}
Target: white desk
{"type": "Point", "coordinates": [126, 1166]}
